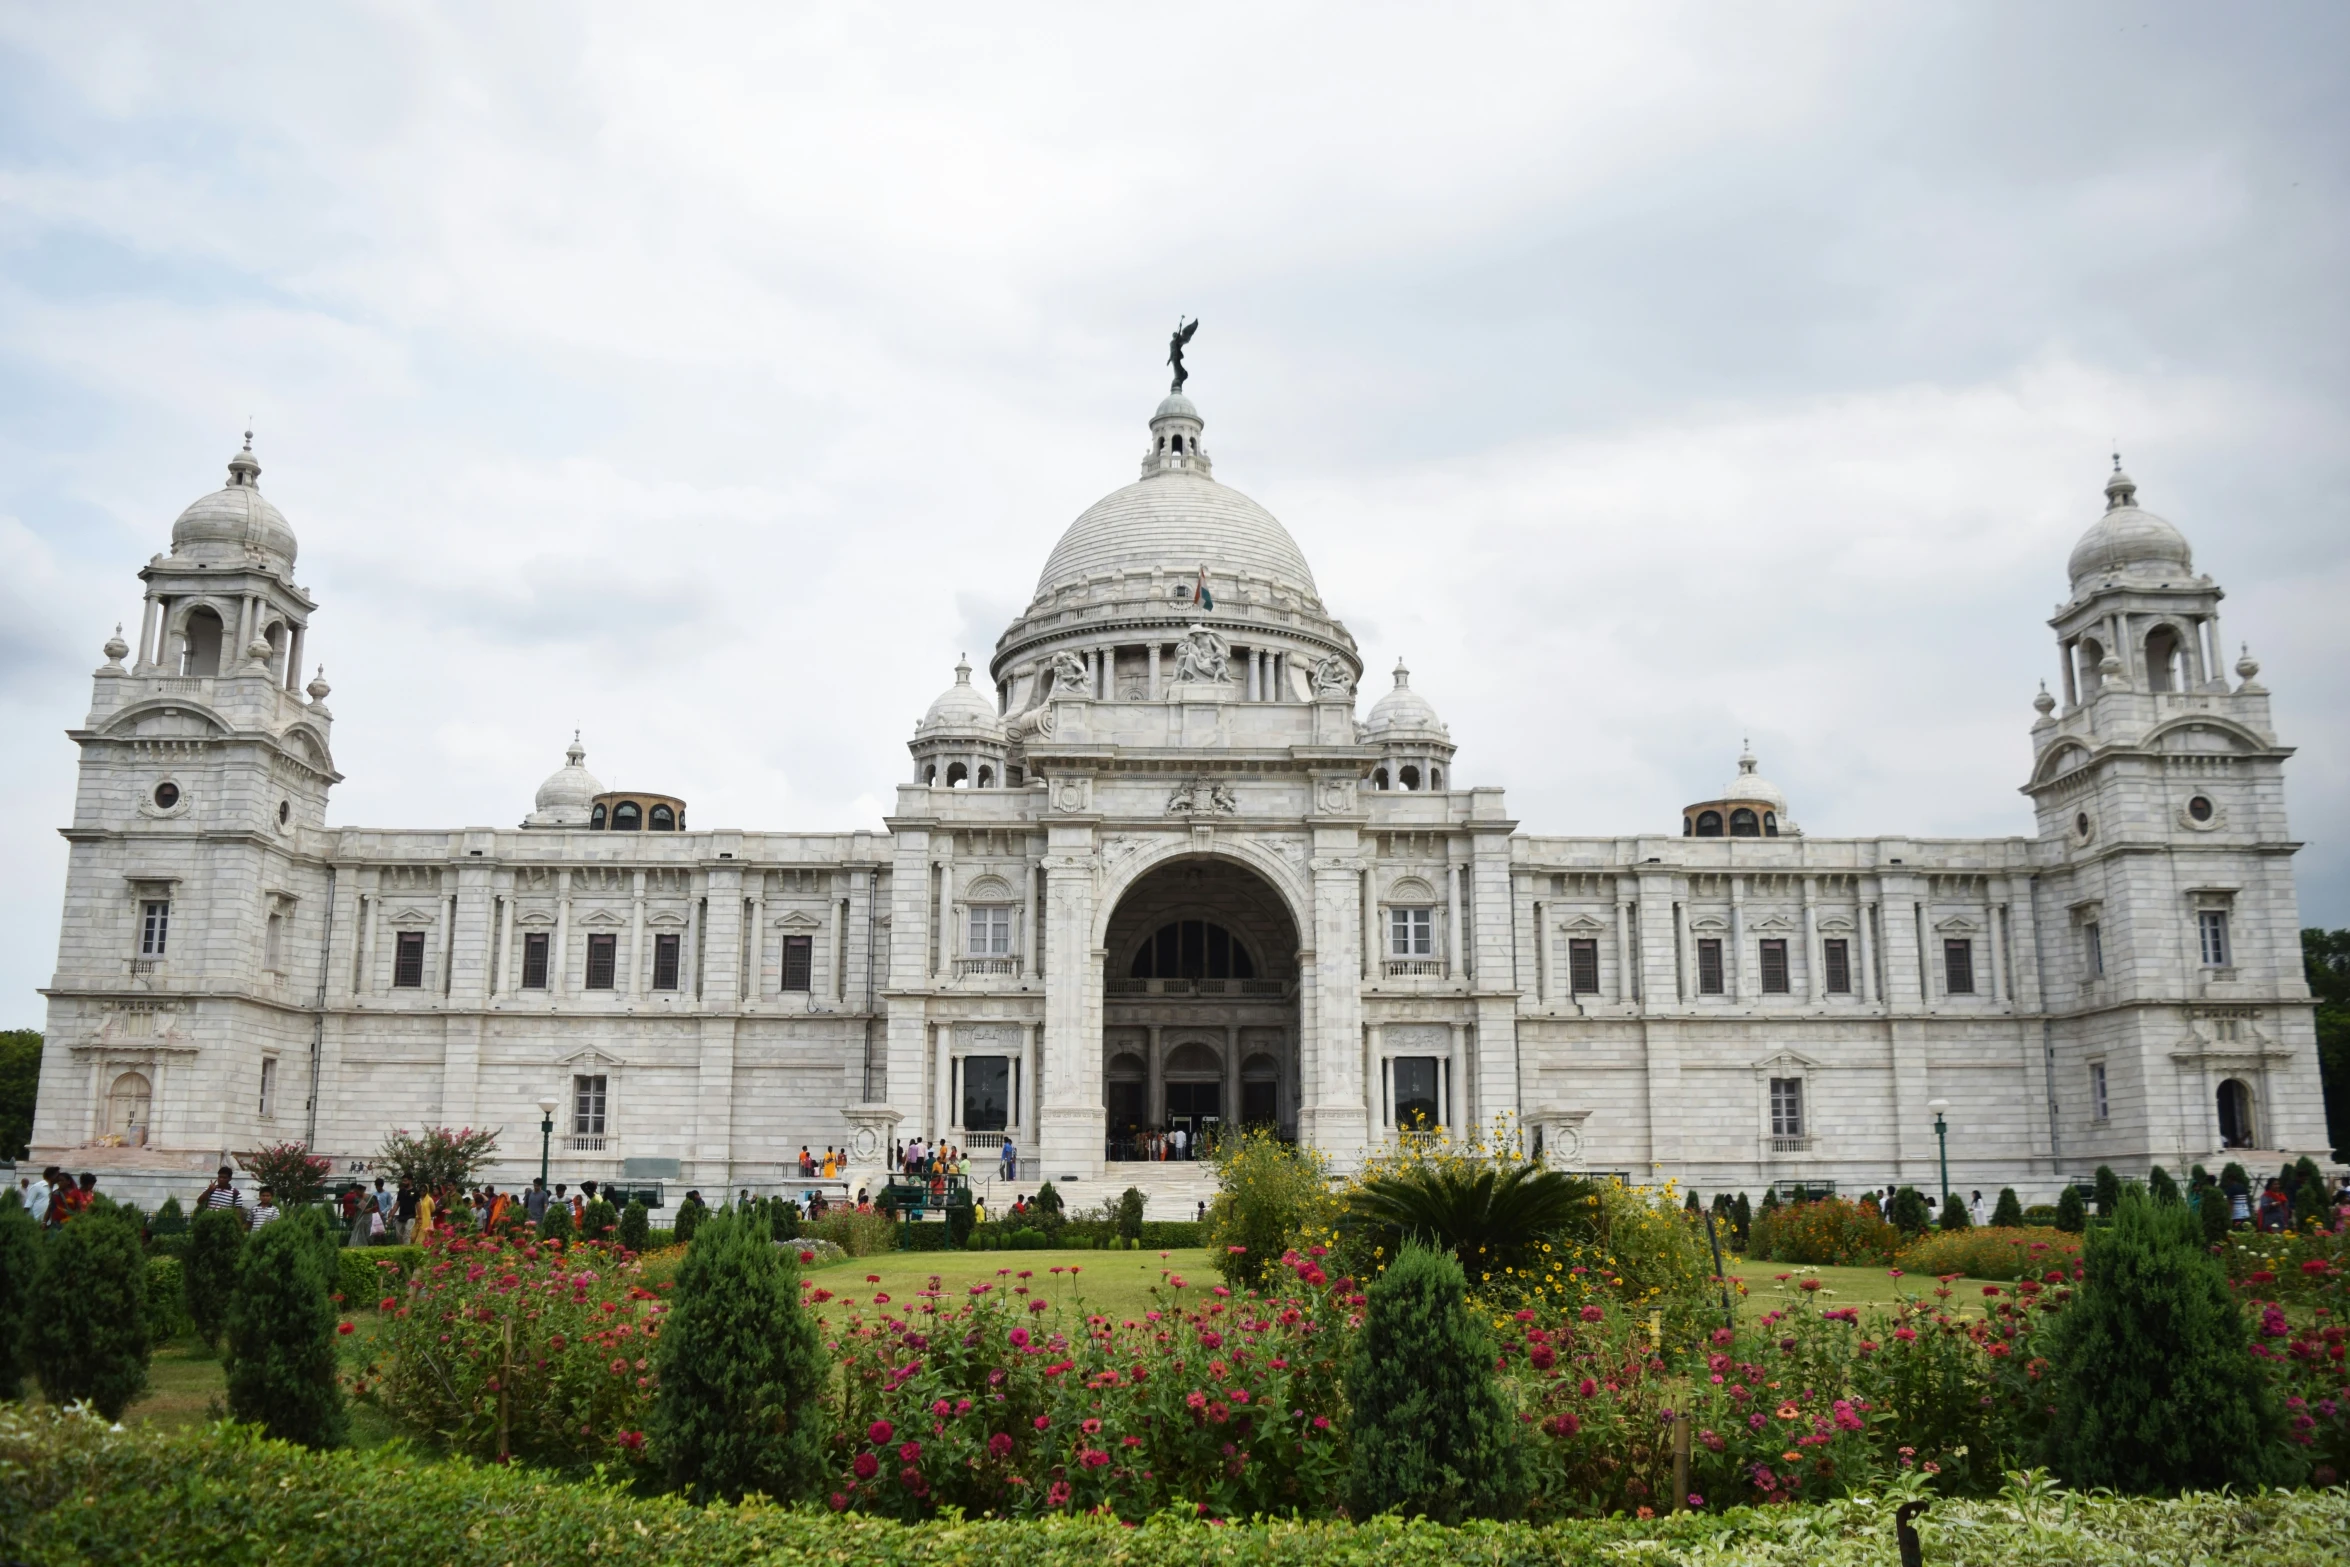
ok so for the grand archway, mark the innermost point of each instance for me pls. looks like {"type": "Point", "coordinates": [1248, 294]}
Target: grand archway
{"type": "Point", "coordinates": [1199, 1009]}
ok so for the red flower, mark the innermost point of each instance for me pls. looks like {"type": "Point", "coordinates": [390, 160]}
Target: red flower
{"type": "Point", "coordinates": [1043, 1421]}
{"type": "Point", "coordinates": [634, 1441]}
{"type": "Point", "coordinates": [866, 1466]}
{"type": "Point", "coordinates": [1090, 1427]}
{"type": "Point", "coordinates": [909, 1452]}
{"type": "Point", "coordinates": [345, 1327]}
{"type": "Point", "coordinates": [879, 1432]}
{"type": "Point", "coordinates": [1057, 1494]}
{"type": "Point", "coordinates": [999, 1446]}
{"type": "Point", "coordinates": [1093, 1457]}
{"type": "Point", "coordinates": [1592, 1314]}
{"type": "Point", "coordinates": [807, 1256]}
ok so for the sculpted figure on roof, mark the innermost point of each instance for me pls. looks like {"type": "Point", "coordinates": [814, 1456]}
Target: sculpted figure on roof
{"type": "Point", "coordinates": [1202, 656]}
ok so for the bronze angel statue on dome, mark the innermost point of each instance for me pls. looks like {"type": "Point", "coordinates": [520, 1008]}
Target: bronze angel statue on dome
{"type": "Point", "coordinates": [1175, 346]}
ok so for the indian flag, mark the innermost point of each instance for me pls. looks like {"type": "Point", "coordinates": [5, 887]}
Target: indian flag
{"type": "Point", "coordinates": [1206, 599]}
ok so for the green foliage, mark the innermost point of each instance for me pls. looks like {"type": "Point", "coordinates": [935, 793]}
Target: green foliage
{"type": "Point", "coordinates": [1770, 1202]}
{"type": "Point", "coordinates": [743, 1371]}
{"type": "Point", "coordinates": [288, 1169]}
{"type": "Point", "coordinates": [20, 1268]}
{"type": "Point", "coordinates": [1833, 1231]}
{"type": "Point", "coordinates": [1991, 1253]}
{"type": "Point", "coordinates": [20, 1082]}
{"type": "Point", "coordinates": [1267, 1192]}
{"type": "Point", "coordinates": [167, 1305]}
{"type": "Point", "coordinates": [2008, 1212]}
{"type": "Point", "coordinates": [1433, 1435]}
{"type": "Point", "coordinates": [1742, 1216]}
{"type": "Point", "coordinates": [2325, 958]}
{"type": "Point", "coordinates": [366, 1275]}
{"type": "Point", "coordinates": [598, 1221]}
{"type": "Point", "coordinates": [1909, 1211]}
{"type": "Point", "coordinates": [2072, 1214]}
{"type": "Point", "coordinates": [1131, 1203]}
{"type": "Point", "coordinates": [1489, 1214]}
{"type": "Point", "coordinates": [636, 1225]}
{"type": "Point", "coordinates": [2160, 1186]}
{"type": "Point", "coordinates": [436, 1159]}
{"type": "Point", "coordinates": [1954, 1214]}
{"type": "Point", "coordinates": [2156, 1389]}
{"type": "Point", "coordinates": [557, 1226]}
{"type": "Point", "coordinates": [689, 1218]}
{"type": "Point", "coordinates": [2108, 1191]}
{"type": "Point", "coordinates": [87, 1337]}
{"type": "Point", "coordinates": [2211, 1213]}
{"type": "Point", "coordinates": [783, 1219]}
{"type": "Point", "coordinates": [209, 1274]}
{"type": "Point", "coordinates": [280, 1353]}
{"type": "Point", "coordinates": [2233, 1174]}
{"type": "Point", "coordinates": [1047, 1211]}
{"type": "Point", "coordinates": [857, 1234]}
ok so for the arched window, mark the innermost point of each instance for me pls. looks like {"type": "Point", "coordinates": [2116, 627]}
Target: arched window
{"type": "Point", "coordinates": [957, 775]}
{"type": "Point", "coordinates": [628, 816]}
{"type": "Point", "coordinates": [204, 635]}
{"type": "Point", "coordinates": [930, 773]}
{"type": "Point", "coordinates": [2092, 658]}
{"type": "Point", "coordinates": [1192, 949]}
{"type": "Point", "coordinates": [662, 819]}
{"type": "Point", "coordinates": [2235, 1114]}
{"type": "Point", "coordinates": [2164, 663]}
{"type": "Point", "coordinates": [1435, 777]}
{"type": "Point", "coordinates": [986, 776]}
{"type": "Point", "coordinates": [128, 1104]}
{"type": "Point", "coordinates": [1743, 824]}
{"type": "Point", "coordinates": [1408, 776]}
{"type": "Point", "coordinates": [596, 819]}
{"type": "Point", "coordinates": [1770, 824]}
{"type": "Point", "coordinates": [1709, 824]}
{"type": "Point", "coordinates": [1378, 777]}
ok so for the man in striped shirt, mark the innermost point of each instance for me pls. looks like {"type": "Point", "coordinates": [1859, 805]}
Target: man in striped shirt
{"type": "Point", "coordinates": [220, 1194]}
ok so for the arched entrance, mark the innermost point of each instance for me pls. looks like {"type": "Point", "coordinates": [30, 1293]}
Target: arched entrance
{"type": "Point", "coordinates": [2235, 1114]}
{"type": "Point", "coordinates": [1199, 1009]}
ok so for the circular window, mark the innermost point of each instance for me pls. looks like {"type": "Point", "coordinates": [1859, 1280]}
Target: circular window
{"type": "Point", "coordinates": [2081, 826]}
{"type": "Point", "coordinates": [285, 812]}
{"type": "Point", "coordinates": [167, 795]}
{"type": "Point", "coordinates": [2200, 808]}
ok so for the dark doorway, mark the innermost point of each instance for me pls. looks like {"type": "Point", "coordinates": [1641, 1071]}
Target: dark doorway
{"type": "Point", "coordinates": [1415, 1092]}
{"type": "Point", "coordinates": [1195, 1107]}
{"type": "Point", "coordinates": [1260, 1103]}
{"type": "Point", "coordinates": [1127, 1108]}
{"type": "Point", "coordinates": [987, 1093]}
{"type": "Point", "coordinates": [2235, 1115]}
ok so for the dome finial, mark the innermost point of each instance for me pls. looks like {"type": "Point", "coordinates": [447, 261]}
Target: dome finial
{"type": "Point", "coordinates": [1403, 676]}
{"type": "Point", "coordinates": [962, 669]}
{"type": "Point", "coordinates": [244, 467]}
{"type": "Point", "coordinates": [2120, 489]}
{"type": "Point", "coordinates": [577, 752]}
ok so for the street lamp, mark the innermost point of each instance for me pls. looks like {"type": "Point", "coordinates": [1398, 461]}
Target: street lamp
{"type": "Point", "coordinates": [546, 1135]}
{"type": "Point", "coordinates": [1942, 1137]}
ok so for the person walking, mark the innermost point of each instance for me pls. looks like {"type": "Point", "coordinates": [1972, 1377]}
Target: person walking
{"type": "Point", "coordinates": [385, 1204]}
{"type": "Point", "coordinates": [265, 1209]}
{"type": "Point", "coordinates": [534, 1201]}
{"type": "Point", "coordinates": [404, 1211]}
{"type": "Point", "coordinates": [2276, 1210]}
{"type": "Point", "coordinates": [42, 1195]}
{"type": "Point", "coordinates": [422, 1230]}
{"type": "Point", "coordinates": [1011, 1160]}
{"type": "Point", "coordinates": [1976, 1212]}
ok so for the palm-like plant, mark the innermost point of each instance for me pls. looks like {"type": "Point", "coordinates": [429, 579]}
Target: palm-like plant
{"type": "Point", "coordinates": [1490, 1215]}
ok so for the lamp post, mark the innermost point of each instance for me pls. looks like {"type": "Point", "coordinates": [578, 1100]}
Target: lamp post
{"type": "Point", "coordinates": [1942, 1138]}
{"type": "Point", "coordinates": [546, 1135]}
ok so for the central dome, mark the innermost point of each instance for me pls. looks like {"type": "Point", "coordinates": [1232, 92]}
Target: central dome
{"type": "Point", "coordinates": [1176, 519]}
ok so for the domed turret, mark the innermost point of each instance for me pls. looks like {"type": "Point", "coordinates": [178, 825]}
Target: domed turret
{"type": "Point", "coordinates": [236, 524]}
{"type": "Point", "coordinates": [2129, 541]}
{"type": "Point", "coordinates": [960, 742]}
{"type": "Point", "coordinates": [1414, 746]}
{"type": "Point", "coordinates": [1752, 807]}
{"type": "Point", "coordinates": [566, 798]}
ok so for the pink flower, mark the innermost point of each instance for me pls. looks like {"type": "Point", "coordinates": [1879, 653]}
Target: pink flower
{"type": "Point", "coordinates": [910, 1451]}
{"type": "Point", "coordinates": [634, 1441]}
{"type": "Point", "coordinates": [879, 1432]}
{"type": "Point", "coordinates": [1235, 1250]}
{"type": "Point", "coordinates": [1019, 1338]}
{"type": "Point", "coordinates": [839, 1502]}
{"type": "Point", "coordinates": [866, 1466]}
{"type": "Point", "coordinates": [1043, 1421]}
{"type": "Point", "coordinates": [1592, 1314]}
{"type": "Point", "coordinates": [999, 1446]}
{"type": "Point", "coordinates": [1057, 1494]}
{"type": "Point", "coordinates": [1093, 1458]}
{"type": "Point", "coordinates": [1090, 1427]}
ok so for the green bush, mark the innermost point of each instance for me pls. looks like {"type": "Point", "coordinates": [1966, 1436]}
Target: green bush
{"type": "Point", "coordinates": [1991, 1253]}
{"type": "Point", "coordinates": [2107, 1191]}
{"type": "Point", "coordinates": [1742, 1219]}
{"type": "Point", "coordinates": [636, 1225]}
{"type": "Point", "coordinates": [959, 1225]}
{"type": "Point", "coordinates": [2155, 1387]}
{"type": "Point", "coordinates": [280, 1350]}
{"type": "Point", "coordinates": [2008, 1212]}
{"type": "Point", "coordinates": [598, 1221]}
{"type": "Point", "coordinates": [1491, 1214]}
{"type": "Point", "coordinates": [209, 1274]}
{"type": "Point", "coordinates": [1131, 1204]}
{"type": "Point", "coordinates": [2211, 1215]}
{"type": "Point", "coordinates": [858, 1234]}
{"type": "Point", "coordinates": [557, 1225]}
{"type": "Point", "coordinates": [689, 1217]}
{"type": "Point", "coordinates": [20, 1267]}
{"type": "Point", "coordinates": [87, 1336]}
{"type": "Point", "coordinates": [2072, 1215]}
{"type": "Point", "coordinates": [1268, 1193]}
{"type": "Point", "coordinates": [2160, 1186]}
{"type": "Point", "coordinates": [167, 1304]}
{"type": "Point", "coordinates": [2041, 1215]}
{"type": "Point", "coordinates": [364, 1275]}
{"type": "Point", "coordinates": [783, 1219]}
{"type": "Point", "coordinates": [1909, 1211]}
{"type": "Point", "coordinates": [1172, 1234]}
{"type": "Point", "coordinates": [1432, 1433]}
{"type": "Point", "coordinates": [743, 1372]}
{"type": "Point", "coordinates": [1954, 1214]}
{"type": "Point", "coordinates": [1835, 1231]}
{"type": "Point", "coordinates": [1047, 1211]}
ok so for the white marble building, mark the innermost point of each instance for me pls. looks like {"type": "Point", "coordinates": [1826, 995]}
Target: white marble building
{"type": "Point", "coordinates": [1159, 871]}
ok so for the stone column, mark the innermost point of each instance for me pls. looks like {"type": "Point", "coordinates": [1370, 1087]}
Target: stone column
{"type": "Point", "coordinates": [1339, 1123]}
{"type": "Point", "coordinates": [1684, 953]}
{"type": "Point", "coordinates": [1071, 1122]}
{"type": "Point", "coordinates": [1370, 907]}
{"type": "Point", "coordinates": [149, 654]}
{"type": "Point", "coordinates": [948, 946]}
{"type": "Point", "coordinates": [559, 960]}
{"type": "Point", "coordinates": [1374, 1056]}
{"type": "Point", "coordinates": [506, 974]}
{"type": "Point", "coordinates": [1229, 1111]}
{"type": "Point", "coordinates": [636, 939]}
{"type": "Point", "coordinates": [689, 978]}
{"type": "Point", "coordinates": [1734, 972]}
{"type": "Point", "coordinates": [1452, 922]}
{"type": "Point", "coordinates": [1024, 1091]}
{"type": "Point", "coordinates": [942, 1057]}
{"type": "Point", "coordinates": [1811, 940]}
{"type": "Point", "coordinates": [754, 948]}
{"type": "Point", "coordinates": [1627, 950]}
{"type": "Point", "coordinates": [1154, 676]}
{"type": "Point", "coordinates": [1865, 946]}
{"type": "Point", "coordinates": [713, 1087]}
{"type": "Point", "coordinates": [368, 979]}
{"type": "Point", "coordinates": [1542, 981]}
{"type": "Point", "coordinates": [1154, 1083]}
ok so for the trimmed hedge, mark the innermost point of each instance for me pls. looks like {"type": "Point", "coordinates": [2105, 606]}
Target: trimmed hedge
{"type": "Point", "coordinates": [362, 1279]}
{"type": "Point", "coordinates": [78, 1495]}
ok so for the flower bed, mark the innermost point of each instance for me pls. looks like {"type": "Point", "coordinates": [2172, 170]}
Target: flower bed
{"type": "Point", "coordinates": [1828, 1232]}
{"type": "Point", "coordinates": [1988, 1253]}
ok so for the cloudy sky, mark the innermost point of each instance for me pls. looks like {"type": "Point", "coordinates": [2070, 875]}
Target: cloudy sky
{"type": "Point", "coordinates": [708, 378]}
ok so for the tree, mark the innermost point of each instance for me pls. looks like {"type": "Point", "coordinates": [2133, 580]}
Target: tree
{"type": "Point", "coordinates": [2325, 958]}
{"type": "Point", "coordinates": [1432, 1432]}
{"type": "Point", "coordinates": [1742, 1215]}
{"type": "Point", "coordinates": [20, 1083]}
{"type": "Point", "coordinates": [598, 1221]}
{"type": "Point", "coordinates": [2156, 1389]}
{"type": "Point", "coordinates": [2108, 1191]}
{"type": "Point", "coordinates": [556, 1226]}
{"type": "Point", "coordinates": [741, 1405]}
{"type": "Point", "coordinates": [1954, 1214]}
{"type": "Point", "coordinates": [20, 1266]}
{"type": "Point", "coordinates": [2072, 1214]}
{"type": "Point", "coordinates": [88, 1333]}
{"type": "Point", "coordinates": [1130, 1210]}
{"type": "Point", "coordinates": [208, 1273]}
{"type": "Point", "coordinates": [2211, 1214]}
{"type": "Point", "coordinates": [2009, 1212]}
{"type": "Point", "coordinates": [288, 1169]}
{"type": "Point", "coordinates": [2160, 1186]}
{"type": "Point", "coordinates": [436, 1159]}
{"type": "Point", "coordinates": [1909, 1212]}
{"type": "Point", "coordinates": [280, 1359]}
{"type": "Point", "coordinates": [636, 1225]}
{"type": "Point", "coordinates": [1490, 1214]}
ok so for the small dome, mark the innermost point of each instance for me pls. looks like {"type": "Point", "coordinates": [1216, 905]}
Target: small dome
{"type": "Point", "coordinates": [563, 800]}
{"type": "Point", "coordinates": [1404, 714]}
{"type": "Point", "coordinates": [2129, 541]}
{"type": "Point", "coordinates": [237, 523]}
{"type": "Point", "coordinates": [1751, 785]}
{"type": "Point", "coordinates": [961, 710]}
{"type": "Point", "coordinates": [1176, 406]}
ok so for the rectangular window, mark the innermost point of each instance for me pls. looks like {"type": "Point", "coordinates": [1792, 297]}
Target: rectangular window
{"type": "Point", "coordinates": [1411, 933]}
{"type": "Point", "coordinates": [991, 930]}
{"type": "Point", "coordinates": [1836, 954]}
{"type": "Point", "coordinates": [799, 962]}
{"type": "Point", "coordinates": [408, 959]}
{"type": "Point", "coordinates": [1709, 967]}
{"type": "Point", "coordinates": [987, 1093]}
{"type": "Point", "coordinates": [534, 960]}
{"type": "Point", "coordinates": [665, 962]}
{"type": "Point", "coordinates": [1415, 1091]}
{"type": "Point", "coordinates": [587, 1105]}
{"type": "Point", "coordinates": [1774, 967]}
{"type": "Point", "coordinates": [273, 943]}
{"type": "Point", "coordinates": [1786, 1107]}
{"type": "Point", "coordinates": [603, 961]}
{"type": "Point", "coordinates": [268, 1087]}
{"type": "Point", "coordinates": [1583, 966]}
{"type": "Point", "coordinates": [1958, 967]}
{"type": "Point", "coordinates": [2097, 1104]}
{"type": "Point", "coordinates": [154, 926]}
{"type": "Point", "coordinates": [2093, 949]}
{"type": "Point", "coordinates": [2212, 926]}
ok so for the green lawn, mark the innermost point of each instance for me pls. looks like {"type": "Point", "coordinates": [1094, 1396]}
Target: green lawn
{"type": "Point", "coordinates": [1114, 1283]}
{"type": "Point", "coordinates": [1863, 1287]}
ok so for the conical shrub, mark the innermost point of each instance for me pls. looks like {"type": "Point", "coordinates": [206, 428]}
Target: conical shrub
{"type": "Point", "coordinates": [2108, 1191]}
{"type": "Point", "coordinates": [2211, 1212]}
{"type": "Point", "coordinates": [2156, 1387]}
{"type": "Point", "coordinates": [2072, 1214]}
{"type": "Point", "coordinates": [1909, 1212]}
{"type": "Point", "coordinates": [280, 1356]}
{"type": "Point", "coordinates": [208, 1275]}
{"type": "Point", "coordinates": [2160, 1186]}
{"type": "Point", "coordinates": [1433, 1435]}
{"type": "Point", "coordinates": [88, 1335]}
{"type": "Point", "coordinates": [2008, 1214]}
{"type": "Point", "coordinates": [20, 1269]}
{"type": "Point", "coordinates": [1954, 1214]}
{"type": "Point", "coordinates": [556, 1226]}
{"type": "Point", "coordinates": [743, 1371]}
{"type": "Point", "coordinates": [689, 1218]}
{"type": "Point", "coordinates": [636, 1226]}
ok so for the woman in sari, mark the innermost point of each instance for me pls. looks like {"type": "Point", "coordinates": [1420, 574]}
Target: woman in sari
{"type": "Point", "coordinates": [424, 1213]}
